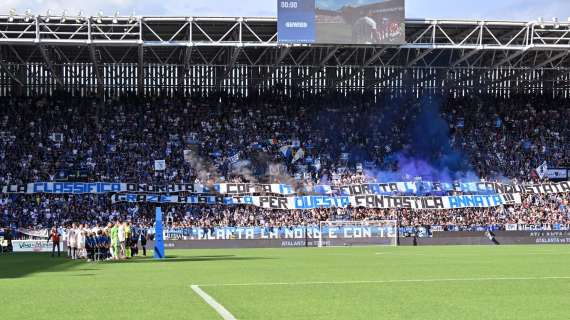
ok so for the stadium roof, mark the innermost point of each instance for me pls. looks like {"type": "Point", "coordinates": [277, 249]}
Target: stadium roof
{"type": "Point", "coordinates": [483, 50]}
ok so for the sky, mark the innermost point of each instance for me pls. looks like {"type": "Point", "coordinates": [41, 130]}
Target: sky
{"type": "Point", "coordinates": [522, 10]}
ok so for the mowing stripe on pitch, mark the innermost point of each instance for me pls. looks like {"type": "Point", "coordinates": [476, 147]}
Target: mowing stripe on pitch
{"type": "Point", "coordinates": [226, 315]}
{"type": "Point", "coordinates": [308, 283]}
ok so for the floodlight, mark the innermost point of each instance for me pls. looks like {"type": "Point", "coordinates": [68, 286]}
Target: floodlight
{"type": "Point", "coordinates": [541, 22]}
{"type": "Point", "coordinates": [12, 14]}
{"type": "Point", "coordinates": [79, 16]}
{"type": "Point", "coordinates": [132, 17]}
{"type": "Point", "coordinates": [28, 16]}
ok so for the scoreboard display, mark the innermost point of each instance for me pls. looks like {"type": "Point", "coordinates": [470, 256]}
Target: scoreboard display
{"type": "Point", "coordinates": [341, 21]}
{"type": "Point", "coordinates": [296, 21]}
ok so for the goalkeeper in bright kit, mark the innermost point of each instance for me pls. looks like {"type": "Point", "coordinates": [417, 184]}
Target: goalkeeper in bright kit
{"type": "Point", "coordinates": [115, 241]}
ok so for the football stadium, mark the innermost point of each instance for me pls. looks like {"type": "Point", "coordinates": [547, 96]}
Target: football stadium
{"type": "Point", "coordinates": [337, 160]}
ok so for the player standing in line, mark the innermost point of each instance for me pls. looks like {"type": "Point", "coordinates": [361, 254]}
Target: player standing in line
{"type": "Point", "coordinates": [134, 240]}
{"type": "Point", "coordinates": [107, 232]}
{"type": "Point", "coordinates": [143, 239]}
{"type": "Point", "coordinates": [81, 235]}
{"type": "Point", "coordinates": [121, 233]}
{"type": "Point", "coordinates": [115, 241]}
{"type": "Point", "coordinates": [72, 240]}
{"type": "Point", "coordinates": [89, 246]}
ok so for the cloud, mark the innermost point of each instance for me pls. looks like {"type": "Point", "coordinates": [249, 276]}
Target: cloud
{"type": "Point", "coordinates": [452, 9]}
{"type": "Point", "coordinates": [523, 10]}
{"type": "Point", "coordinates": [72, 6]}
{"type": "Point", "coordinates": [254, 8]}
{"type": "Point", "coordinates": [147, 7]}
{"type": "Point", "coordinates": [531, 10]}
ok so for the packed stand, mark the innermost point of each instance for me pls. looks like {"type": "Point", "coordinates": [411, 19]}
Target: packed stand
{"type": "Point", "coordinates": [302, 140]}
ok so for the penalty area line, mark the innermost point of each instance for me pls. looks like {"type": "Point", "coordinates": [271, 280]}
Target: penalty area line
{"type": "Point", "coordinates": [308, 283]}
{"type": "Point", "coordinates": [223, 312]}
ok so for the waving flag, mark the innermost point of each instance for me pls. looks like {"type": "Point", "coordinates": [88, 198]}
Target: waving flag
{"type": "Point", "coordinates": [285, 151]}
{"type": "Point", "coordinates": [235, 158]}
{"type": "Point", "coordinates": [159, 165]}
{"type": "Point", "coordinates": [542, 170]}
{"type": "Point", "coordinates": [298, 155]}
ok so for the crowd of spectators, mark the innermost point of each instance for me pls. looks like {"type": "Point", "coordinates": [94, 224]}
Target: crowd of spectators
{"type": "Point", "coordinates": [302, 140]}
{"type": "Point", "coordinates": [64, 210]}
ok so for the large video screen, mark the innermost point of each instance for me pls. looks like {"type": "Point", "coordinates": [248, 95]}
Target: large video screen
{"type": "Point", "coordinates": [341, 21]}
{"type": "Point", "coordinates": [296, 21]}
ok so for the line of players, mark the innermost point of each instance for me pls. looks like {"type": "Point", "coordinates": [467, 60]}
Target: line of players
{"type": "Point", "coordinates": [114, 242]}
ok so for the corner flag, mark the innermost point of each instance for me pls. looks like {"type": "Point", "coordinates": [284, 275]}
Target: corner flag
{"type": "Point", "coordinates": [158, 236]}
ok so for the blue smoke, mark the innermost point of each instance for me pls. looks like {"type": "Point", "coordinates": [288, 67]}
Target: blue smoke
{"type": "Point", "coordinates": [427, 149]}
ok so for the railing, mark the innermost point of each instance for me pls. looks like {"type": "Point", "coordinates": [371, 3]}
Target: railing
{"type": "Point", "coordinates": [262, 32]}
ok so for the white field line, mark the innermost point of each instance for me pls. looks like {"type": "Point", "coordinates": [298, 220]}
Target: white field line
{"type": "Point", "coordinates": [436, 255]}
{"type": "Point", "coordinates": [223, 312]}
{"type": "Point", "coordinates": [308, 283]}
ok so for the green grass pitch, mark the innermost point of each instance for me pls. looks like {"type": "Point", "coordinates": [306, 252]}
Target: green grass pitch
{"type": "Point", "coordinates": [455, 282]}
